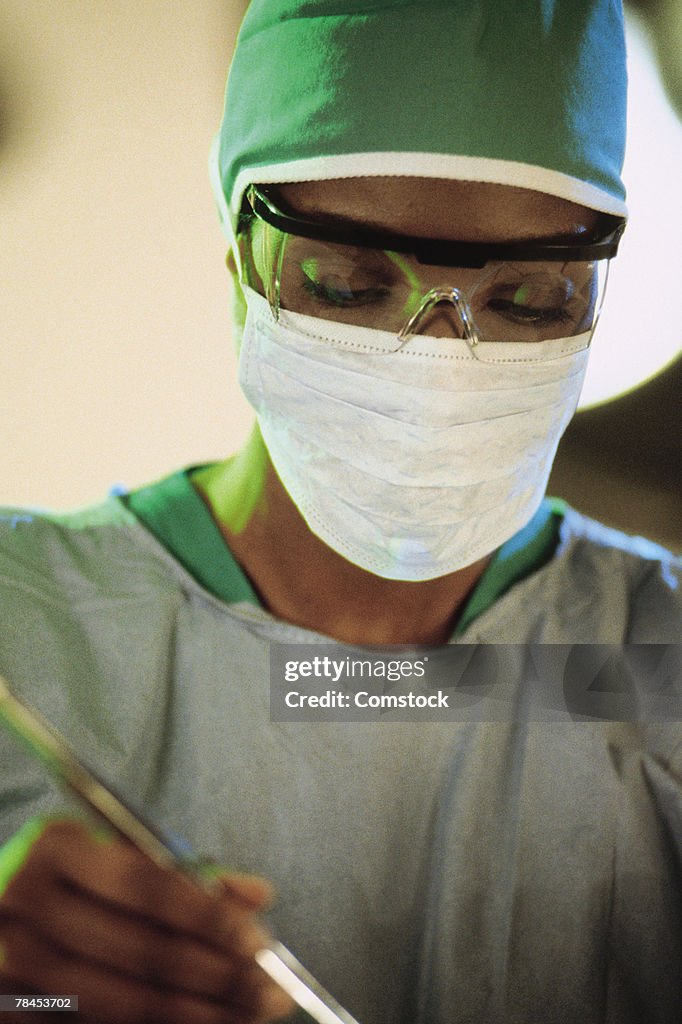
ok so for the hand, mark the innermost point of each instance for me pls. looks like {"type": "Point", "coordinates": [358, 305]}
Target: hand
{"type": "Point", "coordinates": [135, 942]}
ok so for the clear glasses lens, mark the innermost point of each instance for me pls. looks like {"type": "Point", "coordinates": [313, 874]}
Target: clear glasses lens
{"type": "Point", "coordinates": [502, 302]}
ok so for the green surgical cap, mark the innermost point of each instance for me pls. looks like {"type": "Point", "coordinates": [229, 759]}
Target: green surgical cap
{"type": "Point", "coordinates": [518, 92]}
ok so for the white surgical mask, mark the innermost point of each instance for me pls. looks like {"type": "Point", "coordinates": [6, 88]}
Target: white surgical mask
{"type": "Point", "coordinates": [409, 462]}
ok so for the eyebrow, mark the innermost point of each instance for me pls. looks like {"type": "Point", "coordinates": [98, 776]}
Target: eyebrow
{"type": "Point", "coordinates": [580, 233]}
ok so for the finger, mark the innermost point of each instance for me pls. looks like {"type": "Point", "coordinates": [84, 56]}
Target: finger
{"type": "Point", "coordinates": [116, 873]}
{"type": "Point", "coordinates": [131, 947]}
{"type": "Point", "coordinates": [128, 943]}
{"type": "Point", "coordinates": [103, 994]}
{"type": "Point", "coordinates": [254, 892]}
{"type": "Point", "coordinates": [110, 942]}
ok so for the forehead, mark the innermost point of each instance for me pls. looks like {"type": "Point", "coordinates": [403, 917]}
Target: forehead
{"type": "Point", "coordinates": [438, 208]}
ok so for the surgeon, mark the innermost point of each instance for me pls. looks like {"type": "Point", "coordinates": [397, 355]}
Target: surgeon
{"type": "Point", "coordinates": [422, 200]}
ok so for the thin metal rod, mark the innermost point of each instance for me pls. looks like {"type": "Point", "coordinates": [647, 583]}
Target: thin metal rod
{"type": "Point", "coordinates": [53, 750]}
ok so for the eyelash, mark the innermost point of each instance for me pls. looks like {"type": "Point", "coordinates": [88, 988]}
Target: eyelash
{"type": "Point", "coordinates": [540, 317]}
{"type": "Point", "coordinates": [324, 294]}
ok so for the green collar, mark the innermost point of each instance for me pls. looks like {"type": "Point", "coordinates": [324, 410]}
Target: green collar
{"type": "Point", "coordinates": [524, 553]}
{"type": "Point", "coordinates": [175, 514]}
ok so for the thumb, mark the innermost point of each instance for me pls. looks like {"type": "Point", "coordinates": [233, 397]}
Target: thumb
{"type": "Point", "coordinates": [254, 892]}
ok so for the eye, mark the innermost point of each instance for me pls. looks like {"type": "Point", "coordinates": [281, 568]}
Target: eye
{"type": "Point", "coordinates": [335, 291]}
{"type": "Point", "coordinates": [532, 315]}
{"type": "Point", "coordinates": [539, 299]}
{"type": "Point", "coordinates": [341, 286]}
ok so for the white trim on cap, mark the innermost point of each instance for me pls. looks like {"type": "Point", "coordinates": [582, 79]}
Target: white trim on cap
{"type": "Point", "coordinates": [430, 165]}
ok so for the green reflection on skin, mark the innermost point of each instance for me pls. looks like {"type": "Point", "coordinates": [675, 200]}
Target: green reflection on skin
{"type": "Point", "coordinates": [235, 488]}
{"type": "Point", "coordinates": [309, 268]}
{"type": "Point", "coordinates": [238, 302]}
{"type": "Point", "coordinates": [521, 295]}
{"type": "Point", "coordinates": [416, 286]}
{"type": "Point", "coordinates": [15, 852]}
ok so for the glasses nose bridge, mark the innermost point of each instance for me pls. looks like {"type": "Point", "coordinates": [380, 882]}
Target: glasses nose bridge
{"type": "Point", "coordinates": [455, 298]}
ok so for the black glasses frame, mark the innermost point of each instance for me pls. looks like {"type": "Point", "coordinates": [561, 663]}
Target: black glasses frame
{"type": "Point", "coordinates": [429, 251]}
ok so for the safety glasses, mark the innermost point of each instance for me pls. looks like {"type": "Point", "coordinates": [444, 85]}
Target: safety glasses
{"type": "Point", "coordinates": [498, 293]}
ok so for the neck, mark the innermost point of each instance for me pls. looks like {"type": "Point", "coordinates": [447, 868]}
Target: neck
{"type": "Point", "coordinates": [302, 581]}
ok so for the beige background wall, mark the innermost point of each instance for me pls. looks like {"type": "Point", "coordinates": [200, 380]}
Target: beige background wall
{"type": "Point", "coordinates": [116, 364]}
{"type": "Point", "coordinates": [116, 358]}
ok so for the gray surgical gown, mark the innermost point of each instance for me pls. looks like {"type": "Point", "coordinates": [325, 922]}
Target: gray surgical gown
{"type": "Point", "coordinates": [428, 872]}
